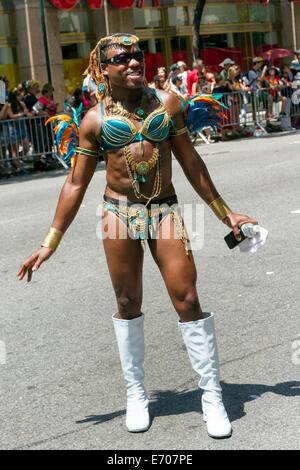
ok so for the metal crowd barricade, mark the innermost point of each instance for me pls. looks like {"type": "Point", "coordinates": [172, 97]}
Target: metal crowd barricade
{"type": "Point", "coordinates": [236, 114]}
{"type": "Point", "coordinates": [259, 103]}
{"type": "Point", "coordinates": [263, 111]}
{"type": "Point", "coordinates": [280, 105]}
{"type": "Point", "coordinates": [294, 105]}
{"type": "Point", "coordinates": [239, 112]}
{"type": "Point", "coordinates": [244, 110]}
{"type": "Point", "coordinates": [26, 138]}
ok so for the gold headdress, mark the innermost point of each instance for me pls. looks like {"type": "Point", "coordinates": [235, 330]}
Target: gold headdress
{"type": "Point", "coordinates": [124, 39]}
{"type": "Point", "coordinates": [101, 81]}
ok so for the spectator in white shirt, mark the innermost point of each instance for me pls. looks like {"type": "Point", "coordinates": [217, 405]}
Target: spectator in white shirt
{"type": "Point", "coordinates": [183, 74]}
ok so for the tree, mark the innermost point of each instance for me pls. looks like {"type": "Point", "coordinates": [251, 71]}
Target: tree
{"type": "Point", "coordinates": [197, 42]}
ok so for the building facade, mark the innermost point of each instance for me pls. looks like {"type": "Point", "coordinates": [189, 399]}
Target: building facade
{"type": "Point", "coordinates": [238, 29]}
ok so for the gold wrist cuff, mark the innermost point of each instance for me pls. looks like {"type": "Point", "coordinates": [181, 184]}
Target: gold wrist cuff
{"type": "Point", "coordinates": [52, 239]}
{"type": "Point", "coordinates": [220, 208]}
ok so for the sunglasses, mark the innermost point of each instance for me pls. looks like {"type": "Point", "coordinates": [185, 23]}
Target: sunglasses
{"type": "Point", "coordinates": [125, 57]}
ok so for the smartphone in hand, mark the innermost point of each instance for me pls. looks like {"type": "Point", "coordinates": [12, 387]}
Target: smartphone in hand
{"type": "Point", "coordinates": [231, 241]}
{"type": "Point", "coordinates": [246, 230]}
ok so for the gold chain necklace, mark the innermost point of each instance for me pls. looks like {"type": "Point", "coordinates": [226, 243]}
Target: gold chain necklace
{"type": "Point", "coordinates": [143, 167]}
{"type": "Point", "coordinates": [134, 181]}
{"type": "Point", "coordinates": [116, 107]}
{"type": "Point", "coordinates": [138, 171]}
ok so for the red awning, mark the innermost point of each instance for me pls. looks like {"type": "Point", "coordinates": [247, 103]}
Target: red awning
{"type": "Point", "coordinates": [68, 4]}
{"type": "Point", "coordinates": [122, 3]}
{"type": "Point", "coordinates": [64, 4]}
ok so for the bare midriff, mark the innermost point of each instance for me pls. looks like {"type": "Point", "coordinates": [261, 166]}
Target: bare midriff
{"type": "Point", "coordinates": [118, 181]}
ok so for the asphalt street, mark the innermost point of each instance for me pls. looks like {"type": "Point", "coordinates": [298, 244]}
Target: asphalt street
{"type": "Point", "coordinates": [60, 377]}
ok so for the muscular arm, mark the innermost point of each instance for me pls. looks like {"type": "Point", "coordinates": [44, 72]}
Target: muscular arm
{"type": "Point", "coordinates": [195, 169]}
{"type": "Point", "coordinates": [72, 192]}
{"type": "Point", "coordinates": [80, 175]}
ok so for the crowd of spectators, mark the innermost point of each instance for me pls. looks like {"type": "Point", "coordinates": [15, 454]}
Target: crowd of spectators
{"type": "Point", "coordinates": [259, 87]}
{"type": "Point", "coordinates": [18, 134]}
{"type": "Point", "coordinates": [243, 93]}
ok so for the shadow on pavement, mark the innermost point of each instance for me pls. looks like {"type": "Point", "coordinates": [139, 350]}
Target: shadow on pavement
{"type": "Point", "coordinates": [165, 403]}
{"type": "Point", "coordinates": [34, 175]}
{"type": "Point", "coordinates": [98, 419]}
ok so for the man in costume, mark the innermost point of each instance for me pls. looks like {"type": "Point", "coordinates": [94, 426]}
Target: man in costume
{"type": "Point", "coordinates": [138, 128]}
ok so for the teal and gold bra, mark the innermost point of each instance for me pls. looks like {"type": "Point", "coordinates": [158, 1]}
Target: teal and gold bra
{"type": "Point", "coordinates": [118, 131]}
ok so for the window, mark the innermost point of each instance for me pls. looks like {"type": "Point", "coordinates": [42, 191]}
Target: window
{"type": "Point", "coordinates": [177, 16]}
{"type": "Point", "coordinates": [264, 41]}
{"type": "Point", "coordinates": [154, 58]}
{"type": "Point", "coordinates": [9, 64]}
{"type": "Point", "coordinates": [217, 47]}
{"type": "Point", "coordinates": [179, 49]}
{"type": "Point", "coordinates": [75, 22]}
{"type": "Point", "coordinates": [214, 41]}
{"type": "Point", "coordinates": [6, 27]}
{"type": "Point", "coordinates": [147, 18]}
{"type": "Point", "coordinates": [8, 55]}
{"type": "Point", "coordinates": [263, 13]}
{"type": "Point", "coordinates": [76, 51]}
{"type": "Point", "coordinates": [178, 43]}
{"type": "Point", "coordinates": [222, 14]}
{"type": "Point", "coordinates": [75, 61]}
{"type": "Point", "coordinates": [151, 46]}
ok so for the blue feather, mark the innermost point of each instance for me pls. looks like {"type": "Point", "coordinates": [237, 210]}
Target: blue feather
{"type": "Point", "coordinates": [204, 113]}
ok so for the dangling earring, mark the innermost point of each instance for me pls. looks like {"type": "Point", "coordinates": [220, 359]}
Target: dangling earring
{"type": "Point", "coordinates": [102, 88]}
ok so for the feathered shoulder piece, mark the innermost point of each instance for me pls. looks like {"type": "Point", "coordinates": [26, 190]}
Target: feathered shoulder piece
{"type": "Point", "coordinates": [66, 128]}
{"type": "Point", "coordinates": [203, 110]}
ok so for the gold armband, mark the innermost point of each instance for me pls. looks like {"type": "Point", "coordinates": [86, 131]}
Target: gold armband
{"type": "Point", "coordinates": [175, 132]}
{"type": "Point", "coordinates": [86, 152]}
{"type": "Point", "coordinates": [220, 208]}
{"type": "Point", "coordinates": [52, 239]}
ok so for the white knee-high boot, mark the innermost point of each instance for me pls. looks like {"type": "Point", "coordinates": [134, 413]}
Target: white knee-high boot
{"type": "Point", "coordinates": [130, 338]}
{"type": "Point", "coordinates": [200, 342]}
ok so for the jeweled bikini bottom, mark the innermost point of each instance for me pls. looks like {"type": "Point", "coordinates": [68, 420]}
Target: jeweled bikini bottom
{"type": "Point", "coordinates": [143, 222]}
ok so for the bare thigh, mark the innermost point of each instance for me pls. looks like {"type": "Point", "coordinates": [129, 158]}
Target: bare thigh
{"type": "Point", "coordinates": [178, 271]}
{"type": "Point", "coordinates": [125, 263]}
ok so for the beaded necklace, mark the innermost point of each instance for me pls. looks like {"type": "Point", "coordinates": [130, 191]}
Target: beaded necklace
{"type": "Point", "coordinates": [138, 172]}
{"type": "Point", "coordinates": [132, 166]}
{"type": "Point", "coordinates": [116, 107]}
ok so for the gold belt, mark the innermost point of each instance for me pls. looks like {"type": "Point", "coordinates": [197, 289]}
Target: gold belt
{"type": "Point", "coordinates": [141, 219]}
